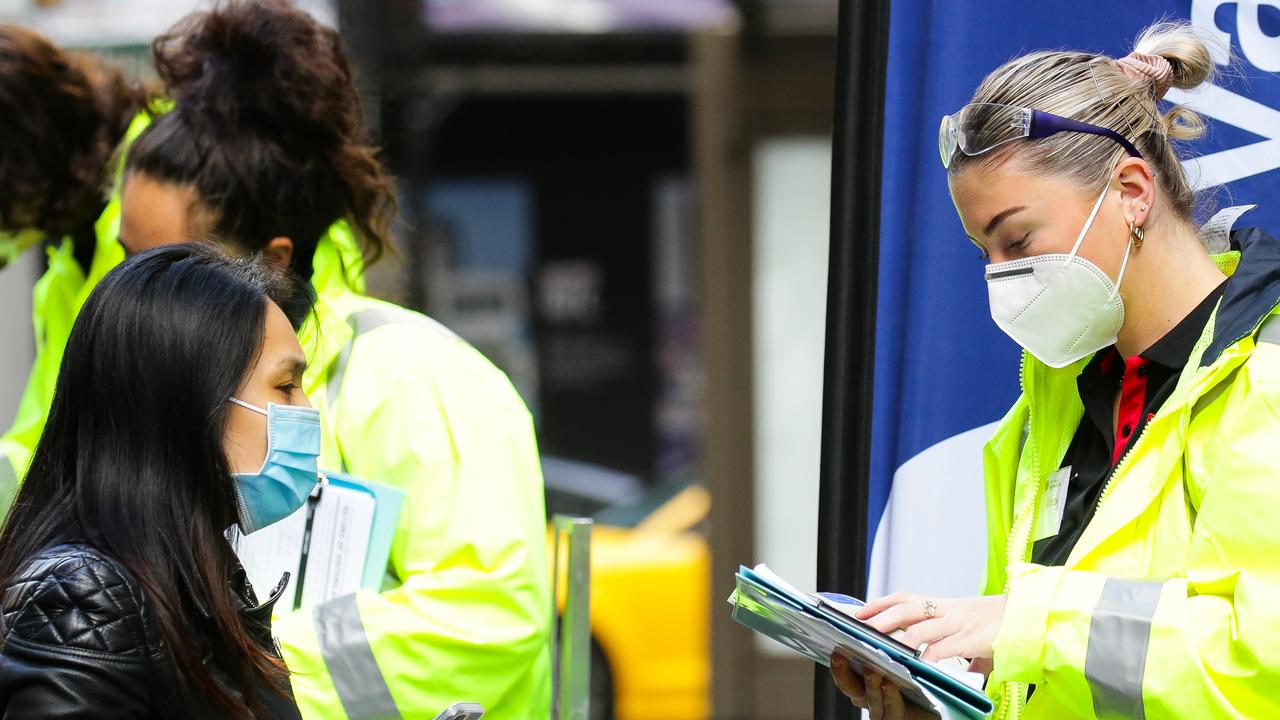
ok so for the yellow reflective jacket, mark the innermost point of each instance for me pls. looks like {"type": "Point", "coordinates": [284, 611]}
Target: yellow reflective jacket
{"type": "Point", "coordinates": [1167, 605]}
{"type": "Point", "coordinates": [56, 300]}
{"type": "Point", "coordinates": [469, 618]}
{"type": "Point", "coordinates": [405, 402]}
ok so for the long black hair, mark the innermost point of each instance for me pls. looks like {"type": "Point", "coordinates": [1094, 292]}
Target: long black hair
{"type": "Point", "coordinates": [131, 461]}
{"type": "Point", "coordinates": [267, 128]}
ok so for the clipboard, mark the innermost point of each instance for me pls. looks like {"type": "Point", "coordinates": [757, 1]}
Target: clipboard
{"type": "Point", "coordinates": [802, 622]}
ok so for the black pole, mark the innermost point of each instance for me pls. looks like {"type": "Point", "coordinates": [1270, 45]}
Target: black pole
{"type": "Point", "coordinates": [857, 148]}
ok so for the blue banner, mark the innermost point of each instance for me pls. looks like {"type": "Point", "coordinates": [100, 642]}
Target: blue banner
{"type": "Point", "coordinates": [944, 372]}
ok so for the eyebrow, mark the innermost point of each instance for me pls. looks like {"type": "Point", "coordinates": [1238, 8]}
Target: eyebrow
{"type": "Point", "coordinates": [295, 365]}
{"type": "Point", "coordinates": [1001, 217]}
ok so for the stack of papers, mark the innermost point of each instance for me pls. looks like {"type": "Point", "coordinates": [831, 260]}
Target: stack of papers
{"type": "Point", "coordinates": [818, 625]}
{"type": "Point", "coordinates": [337, 543]}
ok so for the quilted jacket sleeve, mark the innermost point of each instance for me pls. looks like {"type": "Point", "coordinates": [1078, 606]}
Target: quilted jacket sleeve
{"type": "Point", "coordinates": [76, 643]}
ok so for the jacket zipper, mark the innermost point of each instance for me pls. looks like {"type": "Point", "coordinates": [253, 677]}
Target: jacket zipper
{"type": "Point", "coordinates": [1012, 689]}
{"type": "Point", "coordinates": [1123, 464]}
{"type": "Point", "coordinates": [1020, 538]}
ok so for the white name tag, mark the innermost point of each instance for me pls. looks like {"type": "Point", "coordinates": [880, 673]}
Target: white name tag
{"type": "Point", "coordinates": [1052, 503]}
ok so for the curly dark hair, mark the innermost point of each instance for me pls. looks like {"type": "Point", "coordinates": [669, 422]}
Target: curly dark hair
{"type": "Point", "coordinates": [61, 117]}
{"type": "Point", "coordinates": [267, 128]}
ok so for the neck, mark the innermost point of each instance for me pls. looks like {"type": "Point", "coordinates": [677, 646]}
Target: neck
{"type": "Point", "coordinates": [1167, 278]}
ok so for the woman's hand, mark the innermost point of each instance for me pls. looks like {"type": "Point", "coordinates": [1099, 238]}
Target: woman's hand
{"type": "Point", "coordinates": [874, 693]}
{"type": "Point", "coordinates": [964, 627]}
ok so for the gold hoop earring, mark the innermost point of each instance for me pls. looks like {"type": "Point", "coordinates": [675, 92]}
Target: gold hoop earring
{"type": "Point", "coordinates": [1136, 234]}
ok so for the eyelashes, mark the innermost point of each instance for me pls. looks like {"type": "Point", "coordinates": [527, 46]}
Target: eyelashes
{"type": "Point", "coordinates": [1009, 247]}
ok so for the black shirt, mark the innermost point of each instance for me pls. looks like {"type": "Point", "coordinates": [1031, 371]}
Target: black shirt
{"type": "Point", "coordinates": [1145, 381]}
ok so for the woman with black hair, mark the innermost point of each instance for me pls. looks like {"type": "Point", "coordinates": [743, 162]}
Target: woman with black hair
{"type": "Point", "coordinates": [120, 594]}
{"type": "Point", "coordinates": [265, 150]}
{"type": "Point", "coordinates": [63, 116]}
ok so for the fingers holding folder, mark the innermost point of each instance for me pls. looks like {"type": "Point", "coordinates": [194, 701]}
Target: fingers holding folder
{"type": "Point", "coordinates": [873, 692]}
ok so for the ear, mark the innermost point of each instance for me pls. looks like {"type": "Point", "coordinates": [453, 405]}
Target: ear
{"type": "Point", "coordinates": [279, 252]}
{"type": "Point", "coordinates": [1137, 190]}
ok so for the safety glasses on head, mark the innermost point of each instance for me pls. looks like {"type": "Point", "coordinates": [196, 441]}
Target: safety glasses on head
{"type": "Point", "coordinates": [979, 127]}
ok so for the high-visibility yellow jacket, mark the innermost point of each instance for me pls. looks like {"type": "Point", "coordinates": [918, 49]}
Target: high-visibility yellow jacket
{"type": "Point", "coordinates": [469, 616]}
{"type": "Point", "coordinates": [405, 402]}
{"type": "Point", "coordinates": [56, 300]}
{"type": "Point", "coordinates": [1167, 605]}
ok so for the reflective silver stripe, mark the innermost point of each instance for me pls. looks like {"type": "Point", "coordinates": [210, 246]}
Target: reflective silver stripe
{"type": "Point", "coordinates": [1119, 636]}
{"type": "Point", "coordinates": [352, 667]}
{"type": "Point", "coordinates": [1270, 330]}
{"type": "Point", "coordinates": [8, 484]}
{"type": "Point", "coordinates": [339, 371]}
{"type": "Point", "coordinates": [369, 320]}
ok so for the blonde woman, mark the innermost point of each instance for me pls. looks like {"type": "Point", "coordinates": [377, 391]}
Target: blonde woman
{"type": "Point", "coordinates": [1133, 491]}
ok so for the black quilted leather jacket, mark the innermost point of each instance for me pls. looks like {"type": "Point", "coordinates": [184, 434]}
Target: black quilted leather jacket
{"type": "Point", "coordinates": [80, 642]}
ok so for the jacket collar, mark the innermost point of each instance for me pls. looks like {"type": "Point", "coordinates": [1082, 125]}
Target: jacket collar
{"type": "Point", "coordinates": [239, 586]}
{"type": "Point", "coordinates": [1251, 292]}
{"type": "Point", "coordinates": [338, 274]}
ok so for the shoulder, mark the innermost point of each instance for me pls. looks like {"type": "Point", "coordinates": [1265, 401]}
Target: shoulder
{"type": "Point", "coordinates": [78, 599]}
{"type": "Point", "coordinates": [1263, 364]}
{"type": "Point", "coordinates": [62, 274]}
{"type": "Point", "coordinates": [407, 344]}
{"type": "Point", "coordinates": [403, 359]}
{"type": "Point", "coordinates": [373, 319]}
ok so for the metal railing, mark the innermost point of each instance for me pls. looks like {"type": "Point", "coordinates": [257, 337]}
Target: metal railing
{"type": "Point", "coordinates": [571, 629]}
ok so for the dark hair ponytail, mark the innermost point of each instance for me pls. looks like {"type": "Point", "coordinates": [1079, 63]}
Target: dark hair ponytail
{"type": "Point", "coordinates": [131, 461]}
{"type": "Point", "coordinates": [61, 116]}
{"type": "Point", "coordinates": [267, 128]}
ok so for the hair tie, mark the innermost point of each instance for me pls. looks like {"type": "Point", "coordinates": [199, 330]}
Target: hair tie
{"type": "Point", "coordinates": [1152, 68]}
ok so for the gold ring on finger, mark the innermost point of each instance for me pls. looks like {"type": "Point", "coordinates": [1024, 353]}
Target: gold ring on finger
{"type": "Point", "coordinates": [930, 609]}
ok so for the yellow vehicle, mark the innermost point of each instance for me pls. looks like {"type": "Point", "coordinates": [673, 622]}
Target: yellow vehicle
{"type": "Point", "coordinates": [650, 602]}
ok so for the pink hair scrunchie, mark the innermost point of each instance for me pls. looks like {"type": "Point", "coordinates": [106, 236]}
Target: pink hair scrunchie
{"type": "Point", "coordinates": [1152, 68]}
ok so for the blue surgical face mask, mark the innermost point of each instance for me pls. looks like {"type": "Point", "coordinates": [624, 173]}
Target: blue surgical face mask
{"type": "Point", "coordinates": [289, 471]}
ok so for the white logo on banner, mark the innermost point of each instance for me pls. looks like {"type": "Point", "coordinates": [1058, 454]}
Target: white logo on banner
{"type": "Point", "coordinates": [1263, 52]}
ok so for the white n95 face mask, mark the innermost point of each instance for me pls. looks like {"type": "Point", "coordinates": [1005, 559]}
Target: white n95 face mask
{"type": "Point", "coordinates": [1058, 307]}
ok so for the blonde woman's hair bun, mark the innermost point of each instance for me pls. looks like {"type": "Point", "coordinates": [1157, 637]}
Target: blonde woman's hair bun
{"type": "Point", "coordinates": [1190, 65]}
{"type": "Point", "coordinates": [1187, 50]}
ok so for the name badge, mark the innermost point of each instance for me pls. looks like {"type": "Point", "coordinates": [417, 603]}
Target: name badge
{"type": "Point", "coordinates": [1052, 504]}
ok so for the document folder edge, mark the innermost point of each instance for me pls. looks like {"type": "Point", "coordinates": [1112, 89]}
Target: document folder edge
{"type": "Point", "coordinates": [937, 679]}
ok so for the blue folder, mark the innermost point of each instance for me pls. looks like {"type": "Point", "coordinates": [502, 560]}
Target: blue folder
{"type": "Point", "coordinates": [804, 624]}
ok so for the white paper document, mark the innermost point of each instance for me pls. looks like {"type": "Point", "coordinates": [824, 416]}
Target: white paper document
{"type": "Point", "coordinates": [324, 546]}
